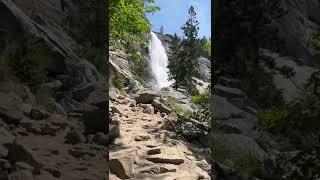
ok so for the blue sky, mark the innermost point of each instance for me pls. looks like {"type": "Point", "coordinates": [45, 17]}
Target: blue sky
{"type": "Point", "coordinates": [174, 14]}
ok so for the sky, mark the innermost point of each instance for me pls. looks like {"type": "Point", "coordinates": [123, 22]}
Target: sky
{"type": "Point", "coordinates": [173, 15]}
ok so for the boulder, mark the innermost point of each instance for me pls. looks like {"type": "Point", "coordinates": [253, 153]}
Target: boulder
{"type": "Point", "coordinates": [19, 152]}
{"type": "Point", "coordinates": [21, 175]}
{"type": "Point", "coordinates": [147, 108]}
{"type": "Point", "coordinates": [75, 137]}
{"type": "Point", "coordinates": [121, 163]}
{"type": "Point", "coordinates": [38, 114]}
{"type": "Point", "coordinates": [242, 145]}
{"type": "Point", "coordinates": [222, 109]}
{"type": "Point", "coordinates": [161, 107]}
{"type": "Point", "coordinates": [95, 121]}
{"type": "Point", "coordinates": [101, 139]}
{"type": "Point", "coordinates": [167, 159]}
{"type": "Point", "coordinates": [82, 92]}
{"type": "Point", "coordinates": [11, 108]}
{"type": "Point", "coordinates": [145, 96]}
{"type": "Point", "coordinates": [5, 138]}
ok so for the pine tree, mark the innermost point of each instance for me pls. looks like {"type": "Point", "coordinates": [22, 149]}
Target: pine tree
{"type": "Point", "coordinates": [182, 68]}
{"type": "Point", "coordinates": [173, 66]}
{"type": "Point", "coordinates": [161, 30]}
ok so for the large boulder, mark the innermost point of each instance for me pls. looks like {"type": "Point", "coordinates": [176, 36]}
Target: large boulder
{"type": "Point", "coordinates": [5, 138]}
{"type": "Point", "coordinates": [121, 163]}
{"type": "Point", "coordinates": [11, 108]}
{"type": "Point", "coordinates": [145, 96]}
{"type": "Point", "coordinates": [222, 109]}
{"type": "Point", "coordinates": [240, 144]}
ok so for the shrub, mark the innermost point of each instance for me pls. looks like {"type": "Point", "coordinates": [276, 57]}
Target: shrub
{"type": "Point", "coordinates": [27, 59]}
{"type": "Point", "coordinates": [201, 99]}
{"type": "Point", "coordinates": [273, 118]}
{"type": "Point", "coordinates": [118, 81]}
{"type": "Point", "coordinates": [140, 68]}
{"type": "Point", "coordinates": [173, 104]}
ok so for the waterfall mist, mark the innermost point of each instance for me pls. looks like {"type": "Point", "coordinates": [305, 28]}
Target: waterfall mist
{"type": "Point", "coordinates": [158, 62]}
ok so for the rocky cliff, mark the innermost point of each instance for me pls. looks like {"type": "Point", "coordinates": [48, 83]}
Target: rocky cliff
{"type": "Point", "coordinates": [55, 129]}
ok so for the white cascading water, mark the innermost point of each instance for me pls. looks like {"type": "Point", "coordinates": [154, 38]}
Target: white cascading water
{"type": "Point", "coordinates": [158, 62]}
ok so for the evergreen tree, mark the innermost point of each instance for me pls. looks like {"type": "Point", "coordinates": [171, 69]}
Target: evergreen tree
{"type": "Point", "coordinates": [182, 68]}
{"type": "Point", "coordinates": [173, 63]}
{"type": "Point", "coordinates": [161, 30]}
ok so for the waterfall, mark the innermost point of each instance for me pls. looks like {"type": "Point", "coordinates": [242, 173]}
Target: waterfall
{"type": "Point", "coordinates": [158, 62]}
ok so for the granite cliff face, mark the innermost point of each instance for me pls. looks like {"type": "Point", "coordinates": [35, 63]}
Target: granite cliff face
{"type": "Point", "coordinates": [298, 26]}
{"type": "Point", "coordinates": [60, 133]}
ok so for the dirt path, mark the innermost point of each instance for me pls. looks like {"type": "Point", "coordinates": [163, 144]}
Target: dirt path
{"type": "Point", "coordinates": [146, 150]}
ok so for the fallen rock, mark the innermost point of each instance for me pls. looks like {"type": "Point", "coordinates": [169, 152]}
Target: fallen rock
{"type": "Point", "coordinates": [154, 151]}
{"type": "Point", "coordinates": [18, 152]}
{"type": "Point", "coordinates": [54, 171]}
{"type": "Point", "coordinates": [161, 107]}
{"type": "Point", "coordinates": [11, 108]}
{"type": "Point", "coordinates": [5, 138]}
{"type": "Point", "coordinates": [121, 163]}
{"type": "Point", "coordinates": [23, 166]}
{"type": "Point", "coordinates": [169, 159]}
{"type": "Point", "coordinates": [75, 137]}
{"type": "Point", "coordinates": [38, 114]}
{"type": "Point", "coordinates": [159, 169]}
{"type": "Point", "coordinates": [223, 109]}
{"type": "Point", "coordinates": [145, 96]}
{"type": "Point", "coordinates": [26, 108]}
{"type": "Point", "coordinates": [241, 144]}
{"type": "Point", "coordinates": [101, 139]}
{"type": "Point", "coordinates": [147, 108]}
{"type": "Point", "coordinates": [21, 175]}
{"type": "Point", "coordinates": [116, 110]}
{"type": "Point", "coordinates": [83, 92]}
{"type": "Point", "coordinates": [142, 138]}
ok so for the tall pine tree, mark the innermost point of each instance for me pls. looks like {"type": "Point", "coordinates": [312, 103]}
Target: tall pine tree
{"type": "Point", "coordinates": [161, 30]}
{"type": "Point", "coordinates": [183, 66]}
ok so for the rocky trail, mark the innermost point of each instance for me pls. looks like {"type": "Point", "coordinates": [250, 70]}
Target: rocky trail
{"type": "Point", "coordinates": [148, 146]}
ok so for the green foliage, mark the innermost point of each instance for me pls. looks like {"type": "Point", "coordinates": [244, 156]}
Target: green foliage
{"type": "Point", "coordinates": [140, 68]}
{"type": "Point", "coordinates": [96, 56]}
{"type": "Point", "coordinates": [118, 81]}
{"type": "Point", "coordinates": [273, 118]}
{"type": "Point", "coordinates": [173, 104]}
{"type": "Point", "coordinates": [202, 99]}
{"type": "Point", "coordinates": [27, 59]}
{"type": "Point", "coordinates": [207, 47]}
{"type": "Point", "coordinates": [182, 66]}
{"type": "Point", "coordinates": [315, 41]}
{"type": "Point", "coordinates": [127, 20]}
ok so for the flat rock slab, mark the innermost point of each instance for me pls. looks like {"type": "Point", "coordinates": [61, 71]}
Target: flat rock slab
{"type": "Point", "coordinates": [228, 91]}
{"type": "Point", "coordinates": [166, 159]}
{"type": "Point", "coordinates": [223, 109]}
